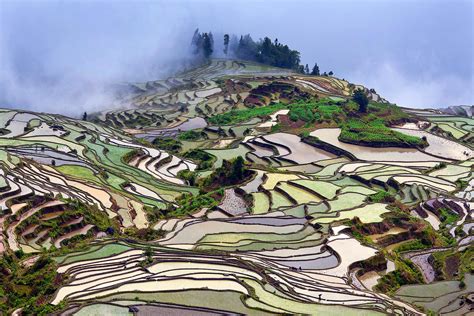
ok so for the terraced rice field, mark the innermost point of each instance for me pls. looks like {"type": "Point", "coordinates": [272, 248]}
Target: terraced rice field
{"type": "Point", "coordinates": [179, 227]}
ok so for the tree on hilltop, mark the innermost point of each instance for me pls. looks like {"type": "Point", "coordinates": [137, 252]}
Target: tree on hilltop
{"type": "Point", "coordinates": [207, 47]}
{"type": "Point", "coordinates": [226, 43]}
{"type": "Point", "coordinates": [360, 97]}
{"type": "Point", "coordinates": [306, 69]}
{"type": "Point", "coordinates": [315, 71]}
{"type": "Point", "coordinates": [196, 42]}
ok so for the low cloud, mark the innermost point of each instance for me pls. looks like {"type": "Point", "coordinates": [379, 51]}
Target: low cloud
{"type": "Point", "coordinates": [424, 90]}
{"type": "Point", "coordinates": [63, 57]}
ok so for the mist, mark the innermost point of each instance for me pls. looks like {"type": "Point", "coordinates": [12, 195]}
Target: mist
{"type": "Point", "coordinates": [61, 56]}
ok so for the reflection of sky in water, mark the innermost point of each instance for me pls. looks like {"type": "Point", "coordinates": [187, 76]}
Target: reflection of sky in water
{"type": "Point", "coordinates": [194, 123]}
{"type": "Point", "coordinates": [47, 156]}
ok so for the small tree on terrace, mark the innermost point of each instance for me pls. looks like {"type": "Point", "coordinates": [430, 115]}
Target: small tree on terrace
{"type": "Point", "coordinates": [237, 169]}
{"type": "Point", "coordinates": [360, 97]}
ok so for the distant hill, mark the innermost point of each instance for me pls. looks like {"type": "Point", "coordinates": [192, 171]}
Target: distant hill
{"type": "Point", "coordinates": [461, 110]}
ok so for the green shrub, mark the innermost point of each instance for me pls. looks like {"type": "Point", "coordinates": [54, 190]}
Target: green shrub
{"type": "Point", "coordinates": [190, 204]}
{"type": "Point", "coordinates": [168, 144]}
{"type": "Point", "coordinates": [204, 159]}
{"type": "Point", "coordinates": [381, 196]}
{"type": "Point", "coordinates": [192, 135]}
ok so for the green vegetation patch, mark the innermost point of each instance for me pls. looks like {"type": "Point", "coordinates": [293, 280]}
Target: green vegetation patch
{"type": "Point", "coordinates": [203, 159]}
{"type": "Point", "coordinates": [30, 287]}
{"type": "Point", "coordinates": [192, 135]}
{"type": "Point", "coordinates": [381, 196]}
{"type": "Point", "coordinates": [316, 111]}
{"type": "Point", "coordinates": [168, 144]}
{"type": "Point", "coordinates": [312, 111]}
{"type": "Point", "coordinates": [232, 172]}
{"type": "Point", "coordinates": [376, 133]}
{"type": "Point", "coordinates": [190, 204]}
{"type": "Point", "coordinates": [78, 171]}
{"type": "Point", "coordinates": [103, 252]}
{"type": "Point", "coordinates": [240, 116]}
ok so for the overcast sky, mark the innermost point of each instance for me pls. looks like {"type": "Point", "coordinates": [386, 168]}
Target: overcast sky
{"type": "Point", "coordinates": [56, 55]}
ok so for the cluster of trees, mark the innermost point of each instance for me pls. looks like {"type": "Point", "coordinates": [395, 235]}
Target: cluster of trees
{"type": "Point", "coordinates": [232, 172]}
{"type": "Point", "coordinates": [263, 51]}
{"type": "Point", "coordinates": [202, 44]}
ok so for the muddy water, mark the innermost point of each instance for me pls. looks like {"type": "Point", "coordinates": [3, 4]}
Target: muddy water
{"type": "Point", "coordinates": [440, 146]}
{"type": "Point", "coordinates": [194, 123]}
{"type": "Point", "coordinates": [46, 156]}
{"type": "Point", "coordinates": [426, 268]}
{"type": "Point", "coordinates": [301, 153]}
{"type": "Point", "coordinates": [369, 279]}
{"type": "Point", "coordinates": [322, 263]}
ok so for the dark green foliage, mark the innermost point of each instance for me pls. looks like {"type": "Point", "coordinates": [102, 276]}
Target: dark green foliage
{"type": "Point", "coordinates": [204, 159]}
{"type": "Point", "coordinates": [306, 69]}
{"type": "Point", "coordinates": [268, 52]}
{"type": "Point", "coordinates": [144, 234]}
{"type": "Point", "coordinates": [208, 45]}
{"type": "Point", "coordinates": [30, 288]}
{"type": "Point", "coordinates": [381, 196]}
{"type": "Point", "coordinates": [375, 133]}
{"type": "Point", "coordinates": [315, 71]}
{"type": "Point", "coordinates": [406, 273]}
{"type": "Point", "coordinates": [232, 172]}
{"type": "Point", "coordinates": [188, 175]}
{"type": "Point", "coordinates": [360, 97]}
{"type": "Point", "coordinates": [226, 43]}
{"type": "Point", "coordinates": [447, 217]}
{"type": "Point", "coordinates": [202, 44]}
{"type": "Point", "coordinates": [192, 135]}
{"type": "Point", "coordinates": [149, 254]}
{"type": "Point", "coordinates": [168, 144]}
{"type": "Point", "coordinates": [238, 169]}
{"type": "Point", "coordinates": [415, 244]}
{"type": "Point", "coordinates": [190, 204]}
{"type": "Point", "coordinates": [276, 54]}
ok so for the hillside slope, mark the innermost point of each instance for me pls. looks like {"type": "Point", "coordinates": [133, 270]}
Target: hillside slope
{"type": "Point", "coordinates": [237, 188]}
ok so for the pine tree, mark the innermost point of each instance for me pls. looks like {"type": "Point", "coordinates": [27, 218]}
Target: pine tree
{"type": "Point", "coordinates": [306, 69]}
{"type": "Point", "coordinates": [226, 43]}
{"type": "Point", "coordinates": [211, 39]}
{"type": "Point", "coordinates": [207, 48]}
{"type": "Point", "coordinates": [196, 42]}
{"type": "Point", "coordinates": [84, 116]}
{"type": "Point", "coordinates": [315, 71]}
